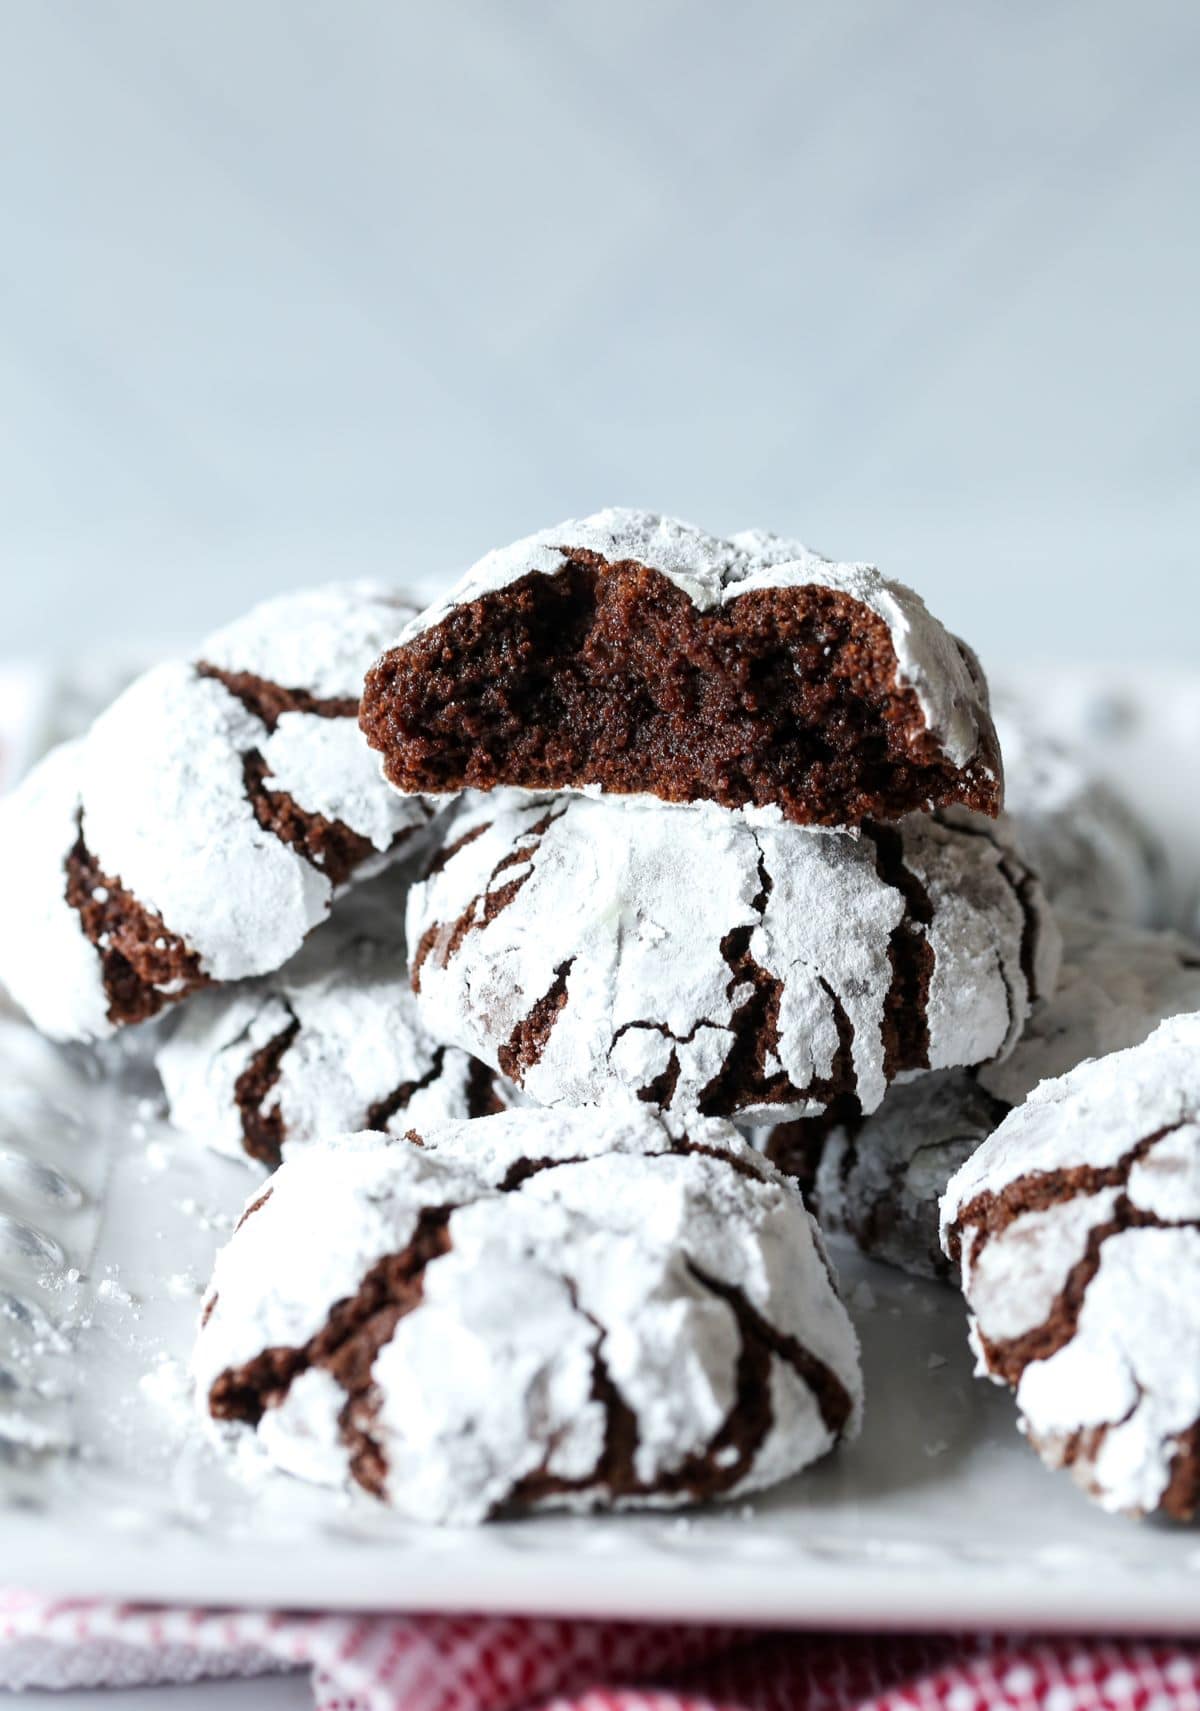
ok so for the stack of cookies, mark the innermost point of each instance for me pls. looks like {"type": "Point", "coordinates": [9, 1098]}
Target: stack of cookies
{"type": "Point", "coordinates": [680, 877]}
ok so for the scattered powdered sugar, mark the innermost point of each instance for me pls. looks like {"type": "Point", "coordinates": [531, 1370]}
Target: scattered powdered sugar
{"type": "Point", "coordinates": [168, 1388]}
{"type": "Point", "coordinates": [204, 1217]}
{"type": "Point", "coordinates": [111, 1290]}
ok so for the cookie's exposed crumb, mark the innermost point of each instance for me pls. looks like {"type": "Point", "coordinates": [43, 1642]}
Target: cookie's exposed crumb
{"type": "Point", "coordinates": [607, 674]}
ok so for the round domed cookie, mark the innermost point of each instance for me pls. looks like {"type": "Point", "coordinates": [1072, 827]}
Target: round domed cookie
{"type": "Point", "coordinates": [879, 1179]}
{"type": "Point", "coordinates": [585, 946]}
{"type": "Point", "coordinates": [532, 1310]}
{"type": "Point", "coordinates": [631, 653]}
{"type": "Point", "coordinates": [330, 1043]}
{"type": "Point", "coordinates": [1092, 851]}
{"type": "Point", "coordinates": [202, 826]}
{"type": "Point", "coordinates": [1076, 1227]}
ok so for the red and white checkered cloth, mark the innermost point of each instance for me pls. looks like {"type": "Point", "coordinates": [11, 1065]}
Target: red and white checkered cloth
{"type": "Point", "coordinates": [442, 1663]}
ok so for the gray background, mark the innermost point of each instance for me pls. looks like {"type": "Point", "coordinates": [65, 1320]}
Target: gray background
{"type": "Point", "coordinates": [297, 290]}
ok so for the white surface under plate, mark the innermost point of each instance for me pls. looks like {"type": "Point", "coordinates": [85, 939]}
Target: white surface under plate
{"type": "Point", "coordinates": [940, 1516]}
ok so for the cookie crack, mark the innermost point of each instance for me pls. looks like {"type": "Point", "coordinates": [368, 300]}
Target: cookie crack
{"type": "Point", "coordinates": [346, 1346]}
{"type": "Point", "coordinates": [989, 1213]}
{"type": "Point", "coordinates": [743, 1078]}
{"type": "Point", "coordinates": [796, 1147]}
{"type": "Point", "coordinates": [263, 1132]}
{"type": "Point", "coordinates": [331, 846]}
{"type": "Point", "coordinates": [482, 1091]}
{"type": "Point", "coordinates": [443, 939]}
{"type": "Point", "coordinates": [660, 1091]}
{"type": "Point", "coordinates": [905, 1023]}
{"type": "Point", "coordinates": [614, 1468]}
{"type": "Point", "coordinates": [383, 1110]}
{"type": "Point", "coordinates": [522, 1169]}
{"type": "Point", "coordinates": [143, 965]}
{"type": "Point", "coordinates": [725, 1460]}
{"type": "Point", "coordinates": [834, 1402]}
{"type": "Point", "coordinates": [1024, 884]}
{"type": "Point", "coordinates": [529, 1039]}
{"type": "Point", "coordinates": [1010, 1357]}
{"type": "Point", "coordinates": [269, 701]}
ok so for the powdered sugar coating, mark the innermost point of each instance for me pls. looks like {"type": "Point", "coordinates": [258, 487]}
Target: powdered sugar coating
{"type": "Point", "coordinates": [585, 946]}
{"type": "Point", "coordinates": [944, 676]}
{"type": "Point", "coordinates": [316, 639]}
{"type": "Point", "coordinates": [590, 1331]}
{"type": "Point", "coordinates": [165, 809]}
{"type": "Point", "coordinates": [880, 1180]}
{"type": "Point", "coordinates": [46, 961]}
{"type": "Point", "coordinates": [341, 1024]}
{"type": "Point", "coordinates": [1077, 1229]}
{"type": "Point", "coordinates": [1094, 854]}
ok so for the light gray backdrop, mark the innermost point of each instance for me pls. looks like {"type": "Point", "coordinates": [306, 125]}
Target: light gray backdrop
{"type": "Point", "coordinates": [293, 290]}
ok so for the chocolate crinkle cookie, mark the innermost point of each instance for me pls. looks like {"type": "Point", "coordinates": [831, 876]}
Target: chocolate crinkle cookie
{"type": "Point", "coordinates": [532, 1310]}
{"type": "Point", "coordinates": [703, 963]}
{"type": "Point", "coordinates": [330, 1043]}
{"type": "Point", "coordinates": [878, 1179]}
{"type": "Point", "coordinates": [1077, 1230]}
{"type": "Point", "coordinates": [202, 826]}
{"type": "Point", "coordinates": [631, 653]}
{"type": "Point", "coordinates": [1093, 851]}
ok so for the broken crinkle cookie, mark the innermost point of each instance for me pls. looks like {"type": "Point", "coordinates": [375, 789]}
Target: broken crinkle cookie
{"type": "Point", "coordinates": [879, 1179]}
{"type": "Point", "coordinates": [532, 1310]}
{"type": "Point", "coordinates": [204, 823]}
{"type": "Point", "coordinates": [707, 964]}
{"type": "Point", "coordinates": [1077, 1230]}
{"type": "Point", "coordinates": [632, 653]}
{"type": "Point", "coordinates": [330, 1043]}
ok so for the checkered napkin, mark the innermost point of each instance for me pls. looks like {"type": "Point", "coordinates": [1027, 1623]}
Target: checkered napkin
{"type": "Point", "coordinates": [444, 1663]}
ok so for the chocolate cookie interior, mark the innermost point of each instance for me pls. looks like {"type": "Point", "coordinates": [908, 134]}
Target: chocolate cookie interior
{"type": "Point", "coordinates": [606, 674]}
